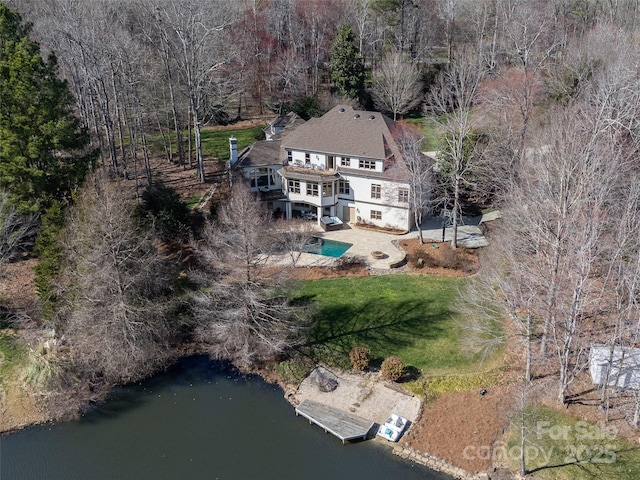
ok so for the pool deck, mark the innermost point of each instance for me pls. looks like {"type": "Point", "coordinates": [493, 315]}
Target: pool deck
{"type": "Point", "coordinates": [365, 241]}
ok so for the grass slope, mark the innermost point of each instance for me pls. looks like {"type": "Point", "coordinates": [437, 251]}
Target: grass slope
{"type": "Point", "coordinates": [214, 142]}
{"type": "Point", "coordinates": [408, 316]}
{"type": "Point", "coordinates": [561, 447]}
{"type": "Point", "coordinates": [12, 355]}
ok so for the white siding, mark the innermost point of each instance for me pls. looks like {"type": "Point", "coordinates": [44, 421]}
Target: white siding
{"type": "Point", "coordinates": [623, 366]}
{"type": "Point", "coordinates": [394, 214]}
{"type": "Point", "coordinates": [316, 160]}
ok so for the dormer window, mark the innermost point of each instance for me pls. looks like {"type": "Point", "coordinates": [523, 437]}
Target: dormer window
{"type": "Point", "coordinates": [289, 156]}
{"type": "Point", "coordinates": [367, 164]}
{"type": "Point", "coordinates": [307, 158]}
{"type": "Point", "coordinates": [345, 162]}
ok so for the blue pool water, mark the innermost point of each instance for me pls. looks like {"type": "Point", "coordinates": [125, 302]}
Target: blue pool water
{"type": "Point", "coordinates": [328, 248]}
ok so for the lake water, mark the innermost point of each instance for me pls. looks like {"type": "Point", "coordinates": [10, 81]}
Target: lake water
{"type": "Point", "coordinates": [199, 420]}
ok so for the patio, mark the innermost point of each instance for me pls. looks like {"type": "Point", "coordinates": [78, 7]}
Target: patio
{"type": "Point", "coordinates": [366, 241]}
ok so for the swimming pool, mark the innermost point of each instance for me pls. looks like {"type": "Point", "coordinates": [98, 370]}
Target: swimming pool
{"type": "Point", "coordinates": [327, 248]}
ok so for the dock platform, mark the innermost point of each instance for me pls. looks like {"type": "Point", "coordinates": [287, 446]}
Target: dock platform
{"type": "Point", "coordinates": [343, 425]}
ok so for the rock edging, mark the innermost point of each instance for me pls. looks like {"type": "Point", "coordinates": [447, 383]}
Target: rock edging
{"type": "Point", "coordinates": [436, 463]}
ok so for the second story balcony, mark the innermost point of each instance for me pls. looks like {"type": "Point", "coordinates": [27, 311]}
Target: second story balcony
{"type": "Point", "coordinates": [316, 187]}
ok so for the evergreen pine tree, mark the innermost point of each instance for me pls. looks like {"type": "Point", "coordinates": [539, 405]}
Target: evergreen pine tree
{"type": "Point", "coordinates": [347, 71]}
{"type": "Point", "coordinates": [42, 146]}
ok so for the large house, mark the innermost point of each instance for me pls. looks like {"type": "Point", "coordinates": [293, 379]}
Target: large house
{"type": "Point", "coordinates": [344, 166]}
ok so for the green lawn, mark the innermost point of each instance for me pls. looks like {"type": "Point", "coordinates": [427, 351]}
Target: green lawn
{"type": "Point", "coordinates": [428, 129]}
{"type": "Point", "coordinates": [561, 447]}
{"type": "Point", "coordinates": [215, 142]}
{"type": "Point", "coordinates": [12, 354]}
{"type": "Point", "coordinates": [408, 316]}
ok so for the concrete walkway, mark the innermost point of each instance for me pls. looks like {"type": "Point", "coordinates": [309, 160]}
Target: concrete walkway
{"type": "Point", "coordinates": [366, 241]}
{"type": "Point", "coordinates": [364, 394]}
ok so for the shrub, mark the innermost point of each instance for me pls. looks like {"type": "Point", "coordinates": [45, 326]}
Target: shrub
{"type": "Point", "coordinates": [170, 215]}
{"type": "Point", "coordinates": [49, 250]}
{"type": "Point", "coordinates": [433, 386]}
{"type": "Point", "coordinates": [392, 368]}
{"type": "Point", "coordinates": [449, 258]}
{"type": "Point", "coordinates": [360, 357]}
{"type": "Point", "coordinates": [347, 262]}
{"type": "Point", "coordinates": [294, 370]}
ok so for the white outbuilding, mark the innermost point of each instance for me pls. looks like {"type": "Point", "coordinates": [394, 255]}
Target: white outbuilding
{"type": "Point", "coordinates": [621, 364]}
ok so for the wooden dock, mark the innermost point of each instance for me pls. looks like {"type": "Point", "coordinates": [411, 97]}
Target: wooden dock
{"type": "Point", "coordinates": [343, 425]}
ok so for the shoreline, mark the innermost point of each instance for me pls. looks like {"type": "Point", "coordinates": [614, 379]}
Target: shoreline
{"type": "Point", "coordinates": [29, 414]}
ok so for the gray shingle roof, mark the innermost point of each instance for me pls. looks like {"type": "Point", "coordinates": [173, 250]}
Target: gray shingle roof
{"type": "Point", "coordinates": [345, 131]}
{"type": "Point", "coordinates": [261, 153]}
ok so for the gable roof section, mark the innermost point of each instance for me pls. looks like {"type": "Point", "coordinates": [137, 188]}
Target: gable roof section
{"type": "Point", "coordinates": [261, 153]}
{"type": "Point", "coordinates": [345, 131]}
{"type": "Point", "coordinates": [267, 152]}
{"type": "Point", "coordinates": [280, 126]}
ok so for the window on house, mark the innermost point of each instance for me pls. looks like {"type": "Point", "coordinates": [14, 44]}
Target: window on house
{"type": "Point", "coordinates": [262, 177]}
{"type": "Point", "coordinates": [367, 164]}
{"type": "Point", "coordinates": [312, 189]}
{"type": "Point", "coordinates": [327, 189]}
{"type": "Point", "coordinates": [403, 195]}
{"type": "Point", "coordinates": [376, 215]}
{"type": "Point", "coordinates": [289, 156]}
{"type": "Point", "coordinates": [376, 191]}
{"type": "Point", "coordinates": [345, 162]}
{"type": "Point", "coordinates": [331, 162]}
{"type": "Point", "coordinates": [343, 187]}
{"type": "Point", "coordinates": [294, 186]}
{"type": "Point", "coordinates": [307, 158]}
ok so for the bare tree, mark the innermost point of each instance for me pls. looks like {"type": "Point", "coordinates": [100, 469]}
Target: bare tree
{"type": "Point", "coordinates": [288, 73]}
{"type": "Point", "coordinates": [397, 85]}
{"type": "Point", "coordinates": [16, 230]}
{"type": "Point", "coordinates": [616, 319]}
{"type": "Point", "coordinates": [292, 235]}
{"type": "Point", "coordinates": [362, 12]}
{"type": "Point", "coordinates": [459, 159]}
{"type": "Point", "coordinates": [501, 291]}
{"type": "Point", "coordinates": [115, 286]}
{"type": "Point", "coordinates": [239, 241]}
{"type": "Point", "coordinates": [419, 169]}
{"type": "Point", "coordinates": [318, 22]}
{"type": "Point", "coordinates": [561, 209]}
{"type": "Point", "coordinates": [243, 313]}
{"type": "Point", "coordinates": [195, 31]}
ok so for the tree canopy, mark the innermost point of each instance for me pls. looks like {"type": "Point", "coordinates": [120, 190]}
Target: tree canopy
{"type": "Point", "coordinates": [347, 71]}
{"type": "Point", "coordinates": [42, 147]}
